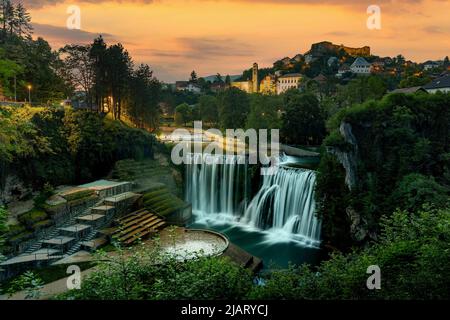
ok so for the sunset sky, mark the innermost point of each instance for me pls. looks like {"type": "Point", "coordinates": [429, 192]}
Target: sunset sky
{"type": "Point", "coordinates": [177, 36]}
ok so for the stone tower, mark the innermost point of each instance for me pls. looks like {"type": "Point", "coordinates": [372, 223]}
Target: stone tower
{"type": "Point", "coordinates": [255, 80]}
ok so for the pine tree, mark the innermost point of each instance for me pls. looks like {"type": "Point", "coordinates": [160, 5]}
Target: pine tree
{"type": "Point", "coordinates": [9, 16]}
{"type": "Point", "coordinates": [23, 22]}
{"type": "Point", "coordinates": [194, 77]}
{"type": "Point", "coordinates": [6, 18]}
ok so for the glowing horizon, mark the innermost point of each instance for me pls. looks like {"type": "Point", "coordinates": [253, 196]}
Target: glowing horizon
{"type": "Point", "coordinates": [177, 36]}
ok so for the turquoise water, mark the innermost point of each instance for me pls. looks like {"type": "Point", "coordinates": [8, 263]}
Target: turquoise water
{"type": "Point", "coordinates": [275, 253]}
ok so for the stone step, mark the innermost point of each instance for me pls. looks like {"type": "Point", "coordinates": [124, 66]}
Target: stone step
{"type": "Point", "coordinates": [92, 219]}
{"type": "Point", "coordinates": [94, 243]}
{"type": "Point", "coordinates": [77, 230]}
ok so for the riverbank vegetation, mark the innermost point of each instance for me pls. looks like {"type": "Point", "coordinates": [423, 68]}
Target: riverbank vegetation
{"type": "Point", "coordinates": [64, 146]}
{"type": "Point", "coordinates": [398, 158]}
{"type": "Point", "coordinates": [410, 252]}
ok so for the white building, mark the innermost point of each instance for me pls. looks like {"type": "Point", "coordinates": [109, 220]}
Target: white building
{"type": "Point", "coordinates": [360, 66]}
{"type": "Point", "coordinates": [430, 65]}
{"type": "Point", "coordinates": [288, 81]}
{"type": "Point", "coordinates": [440, 84]}
{"type": "Point", "coordinates": [192, 87]}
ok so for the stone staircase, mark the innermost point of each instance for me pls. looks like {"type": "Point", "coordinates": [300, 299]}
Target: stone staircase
{"type": "Point", "coordinates": [68, 238]}
{"type": "Point", "coordinates": [78, 245]}
{"type": "Point", "coordinates": [55, 230]}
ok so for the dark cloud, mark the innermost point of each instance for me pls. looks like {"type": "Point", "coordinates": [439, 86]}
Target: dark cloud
{"type": "Point", "coordinates": [203, 49]}
{"type": "Point", "coordinates": [434, 30]}
{"type": "Point", "coordinates": [33, 4]}
{"type": "Point", "coordinates": [353, 3]}
{"type": "Point", "coordinates": [210, 47]}
{"type": "Point", "coordinates": [59, 36]}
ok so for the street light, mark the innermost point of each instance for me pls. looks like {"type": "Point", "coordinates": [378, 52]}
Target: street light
{"type": "Point", "coordinates": [29, 93]}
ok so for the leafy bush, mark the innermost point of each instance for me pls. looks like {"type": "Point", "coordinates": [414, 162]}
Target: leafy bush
{"type": "Point", "coordinates": [414, 190]}
{"type": "Point", "coordinates": [46, 192]}
{"type": "Point", "coordinates": [413, 255]}
{"type": "Point", "coordinates": [135, 275]}
{"type": "Point", "coordinates": [31, 217]}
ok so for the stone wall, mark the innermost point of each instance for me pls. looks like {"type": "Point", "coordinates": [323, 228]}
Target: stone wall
{"type": "Point", "coordinates": [180, 217]}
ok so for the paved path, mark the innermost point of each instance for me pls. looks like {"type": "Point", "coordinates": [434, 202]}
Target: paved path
{"type": "Point", "coordinates": [48, 290]}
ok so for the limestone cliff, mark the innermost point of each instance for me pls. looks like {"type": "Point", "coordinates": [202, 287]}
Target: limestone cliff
{"type": "Point", "coordinates": [348, 157]}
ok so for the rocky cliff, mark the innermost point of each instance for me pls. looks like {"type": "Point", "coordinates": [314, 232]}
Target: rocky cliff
{"type": "Point", "coordinates": [348, 158]}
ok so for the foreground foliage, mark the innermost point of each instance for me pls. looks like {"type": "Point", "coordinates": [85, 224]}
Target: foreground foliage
{"type": "Point", "coordinates": [413, 254]}
{"type": "Point", "coordinates": [136, 274]}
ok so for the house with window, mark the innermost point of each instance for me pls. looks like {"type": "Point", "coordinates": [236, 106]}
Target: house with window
{"type": "Point", "coordinates": [441, 84]}
{"type": "Point", "coordinates": [288, 81]}
{"type": "Point", "coordinates": [361, 66]}
{"type": "Point", "coordinates": [430, 65]}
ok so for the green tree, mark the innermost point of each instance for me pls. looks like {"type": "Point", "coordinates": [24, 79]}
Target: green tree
{"type": "Point", "coordinates": [80, 68]}
{"type": "Point", "coordinates": [228, 80]}
{"type": "Point", "coordinates": [23, 25]}
{"type": "Point", "coordinates": [182, 114]}
{"type": "Point", "coordinates": [264, 112]}
{"type": "Point", "coordinates": [193, 77]}
{"type": "Point", "coordinates": [362, 89]}
{"type": "Point", "coordinates": [303, 120]}
{"type": "Point", "coordinates": [234, 107]}
{"type": "Point", "coordinates": [209, 109]}
{"type": "Point", "coordinates": [413, 81]}
{"type": "Point", "coordinates": [119, 69]}
{"type": "Point", "coordinates": [144, 96]}
{"type": "Point", "coordinates": [401, 158]}
{"type": "Point", "coordinates": [8, 71]}
{"type": "Point", "coordinates": [415, 190]}
{"type": "Point", "coordinates": [98, 55]}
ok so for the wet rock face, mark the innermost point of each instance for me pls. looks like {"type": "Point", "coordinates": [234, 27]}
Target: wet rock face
{"type": "Point", "coordinates": [358, 228]}
{"type": "Point", "coordinates": [13, 189]}
{"type": "Point", "coordinates": [348, 158]}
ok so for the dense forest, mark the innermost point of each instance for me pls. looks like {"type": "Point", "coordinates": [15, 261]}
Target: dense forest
{"type": "Point", "coordinates": [396, 155]}
{"type": "Point", "coordinates": [62, 146]}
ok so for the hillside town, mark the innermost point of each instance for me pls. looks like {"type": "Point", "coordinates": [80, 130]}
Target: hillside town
{"type": "Point", "coordinates": [326, 62]}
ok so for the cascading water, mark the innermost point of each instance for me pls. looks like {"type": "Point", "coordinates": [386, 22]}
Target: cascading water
{"type": "Point", "coordinates": [216, 184]}
{"type": "Point", "coordinates": [284, 206]}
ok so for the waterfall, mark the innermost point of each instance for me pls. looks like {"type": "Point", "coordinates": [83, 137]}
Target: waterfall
{"type": "Point", "coordinates": [285, 204]}
{"type": "Point", "coordinates": [217, 185]}
{"type": "Point", "coordinates": [283, 207]}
